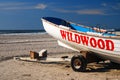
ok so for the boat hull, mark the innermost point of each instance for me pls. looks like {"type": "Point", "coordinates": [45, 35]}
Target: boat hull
{"type": "Point", "coordinates": [106, 48]}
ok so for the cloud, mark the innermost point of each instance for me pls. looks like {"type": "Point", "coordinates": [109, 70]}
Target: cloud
{"type": "Point", "coordinates": [116, 7]}
{"type": "Point", "coordinates": [104, 8]}
{"type": "Point", "coordinates": [104, 4]}
{"type": "Point", "coordinates": [62, 10]}
{"type": "Point", "coordinates": [83, 11]}
{"type": "Point", "coordinates": [91, 12]}
{"type": "Point", "coordinates": [112, 6]}
{"type": "Point", "coordinates": [11, 4]}
{"type": "Point", "coordinates": [16, 8]}
{"type": "Point", "coordinates": [41, 6]}
{"type": "Point", "coordinates": [21, 6]}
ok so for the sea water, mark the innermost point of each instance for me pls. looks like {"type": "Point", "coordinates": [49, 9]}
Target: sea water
{"type": "Point", "coordinates": [21, 32]}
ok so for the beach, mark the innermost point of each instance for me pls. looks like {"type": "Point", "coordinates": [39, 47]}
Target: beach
{"type": "Point", "coordinates": [12, 45]}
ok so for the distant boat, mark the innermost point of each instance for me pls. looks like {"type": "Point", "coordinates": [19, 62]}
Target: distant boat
{"type": "Point", "coordinates": [92, 43]}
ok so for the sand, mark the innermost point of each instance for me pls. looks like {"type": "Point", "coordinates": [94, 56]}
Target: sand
{"type": "Point", "coordinates": [20, 45]}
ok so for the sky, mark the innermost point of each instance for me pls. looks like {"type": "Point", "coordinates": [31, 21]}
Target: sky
{"type": "Point", "coordinates": [27, 14]}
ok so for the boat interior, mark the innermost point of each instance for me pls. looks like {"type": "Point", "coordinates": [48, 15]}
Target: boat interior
{"type": "Point", "coordinates": [81, 28]}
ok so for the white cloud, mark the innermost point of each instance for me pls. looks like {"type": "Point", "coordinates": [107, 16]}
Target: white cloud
{"type": "Point", "coordinates": [11, 4]}
{"type": "Point", "coordinates": [16, 8]}
{"type": "Point", "coordinates": [91, 12]}
{"type": "Point", "coordinates": [21, 6]}
{"type": "Point", "coordinates": [102, 9]}
{"type": "Point", "coordinates": [62, 10]}
{"type": "Point", "coordinates": [41, 6]}
{"type": "Point", "coordinates": [83, 11]}
{"type": "Point", "coordinates": [112, 6]}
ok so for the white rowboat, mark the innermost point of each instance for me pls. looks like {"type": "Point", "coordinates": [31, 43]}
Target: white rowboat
{"type": "Point", "coordinates": [83, 38]}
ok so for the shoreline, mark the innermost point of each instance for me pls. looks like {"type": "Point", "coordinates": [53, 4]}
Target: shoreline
{"type": "Point", "coordinates": [21, 45]}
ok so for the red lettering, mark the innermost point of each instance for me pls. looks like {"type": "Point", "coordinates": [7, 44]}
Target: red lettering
{"type": "Point", "coordinates": [69, 35]}
{"type": "Point", "coordinates": [73, 39]}
{"type": "Point", "coordinates": [93, 42]}
{"type": "Point", "coordinates": [109, 45]}
{"type": "Point", "coordinates": [84, 40]}
{"type": "Point", "coordinates": [101, 44]}
{"type": "Point", "coordinates": [63, 34]}
{"type": "Point", "coordinates": [88, 41]}
{"type": "Point", "coordinates": [77, 38]}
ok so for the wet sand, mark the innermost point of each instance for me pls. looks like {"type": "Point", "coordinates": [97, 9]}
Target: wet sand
{"type": "Point", "coordinates": [21, 45]}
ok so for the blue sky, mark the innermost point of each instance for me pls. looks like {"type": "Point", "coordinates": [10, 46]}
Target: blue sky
{"type": "Point", "coordinates": [26, 14]}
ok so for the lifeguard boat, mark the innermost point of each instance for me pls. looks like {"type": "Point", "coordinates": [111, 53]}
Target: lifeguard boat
{"type": "Point", "coordinates": [93, 44]}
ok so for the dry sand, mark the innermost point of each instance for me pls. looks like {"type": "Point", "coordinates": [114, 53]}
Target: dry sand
{"type": "Point", "coordinates": [20, 45]}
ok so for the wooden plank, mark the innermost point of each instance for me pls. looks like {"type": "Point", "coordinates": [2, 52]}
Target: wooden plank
{"type": "Point", "coordinates": [42, 59]}
{"type": "Point", "coordinates": [25, 59]}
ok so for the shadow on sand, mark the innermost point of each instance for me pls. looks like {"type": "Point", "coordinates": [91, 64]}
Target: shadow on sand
{"type": "Point", "coordinates": [102, 67]}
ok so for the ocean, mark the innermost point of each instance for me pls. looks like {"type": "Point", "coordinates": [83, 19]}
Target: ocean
{"type": "Point", "coordinates": [21, 31]}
